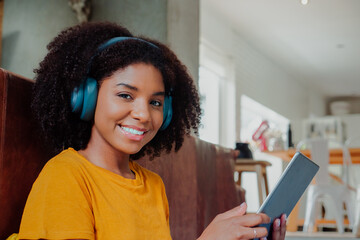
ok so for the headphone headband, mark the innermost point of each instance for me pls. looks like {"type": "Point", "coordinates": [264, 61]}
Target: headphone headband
{"type": "Point", "coordinates": [120, 39]}
{"type": "Point", "coordinates": [111, 42]}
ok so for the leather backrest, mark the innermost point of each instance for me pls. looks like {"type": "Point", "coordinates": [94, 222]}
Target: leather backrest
{"type": "Point", "coordinates": [22, 152]}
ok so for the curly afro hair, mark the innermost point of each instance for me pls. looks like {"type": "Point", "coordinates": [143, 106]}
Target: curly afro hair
{"type": "Point", "coordinates": [73, 56]}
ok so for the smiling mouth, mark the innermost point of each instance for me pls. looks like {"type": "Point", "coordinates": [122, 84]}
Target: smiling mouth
{"type": "Point", "coordinates": [132, 131]}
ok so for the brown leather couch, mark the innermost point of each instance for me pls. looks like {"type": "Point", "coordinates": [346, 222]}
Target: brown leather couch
{"type": "Point", "coordinates": [198, 179]}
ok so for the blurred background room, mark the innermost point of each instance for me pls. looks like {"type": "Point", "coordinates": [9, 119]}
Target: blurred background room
{"type": "Point", "coordinates": [270, 73]}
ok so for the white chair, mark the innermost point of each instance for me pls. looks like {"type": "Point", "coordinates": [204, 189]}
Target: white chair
{"type": "Point", "coordinates": [355, 181]}
{"type": "Point", "coordinates": [323, 189]}
{"type": "Point", "coordinates": [353, 142]}
{"type": "Point", "coordinates": [354, 176]}
{"type": "Point", "coordinates": [356, 227]}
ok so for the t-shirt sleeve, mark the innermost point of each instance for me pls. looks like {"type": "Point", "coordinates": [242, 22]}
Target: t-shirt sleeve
{"type": "Point", "coordinates": [58, 206]}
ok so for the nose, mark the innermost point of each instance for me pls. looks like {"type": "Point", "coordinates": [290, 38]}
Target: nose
{"type": "Point", "coordinates": [141, 111]}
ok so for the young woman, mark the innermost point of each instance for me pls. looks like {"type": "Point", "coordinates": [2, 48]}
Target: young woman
{"type": "Point", "coordinates": [104, 99]}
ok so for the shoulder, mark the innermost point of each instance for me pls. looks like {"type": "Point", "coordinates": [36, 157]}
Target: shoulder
{"type": "Point", "coordinates": [65, 165]}
{"type": "Point", "coordinates": [67, 159]}
{"type": "Point", "coordinates": [63, 176]}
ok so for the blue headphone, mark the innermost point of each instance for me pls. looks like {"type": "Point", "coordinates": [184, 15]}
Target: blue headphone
{"type": "Point", "coordinates": [84, 97]}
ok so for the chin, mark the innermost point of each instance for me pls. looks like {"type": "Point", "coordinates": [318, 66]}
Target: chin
{"type": "Point", "coordinates": [133, 152]}
{"type": "Point", "coordinates": [130, 149]}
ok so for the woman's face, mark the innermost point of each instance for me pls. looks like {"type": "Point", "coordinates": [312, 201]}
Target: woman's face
{"type": "Point", "coordinates": [129, 109]}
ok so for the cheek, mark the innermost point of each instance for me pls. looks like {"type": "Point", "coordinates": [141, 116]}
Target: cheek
{"type": "Point", "coordinates": [158, 120]}
{"type": "Point", "coordinates": [113, 109]}
{"type": "Point", "coordinates": [106, 109]}
{"type": "Point", "coordinates": [107, 104]}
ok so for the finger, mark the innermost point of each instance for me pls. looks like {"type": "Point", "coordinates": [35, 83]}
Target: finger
{"type": "Point", "coordinates": [276, 229]}
{"type": "Point", "coordinates": [253, 219]}
{"type": "Point", "coordinates": [250, 220]}
{"type": "Point", "coordinates": [235, 212]}
{"type": "Point", "coordinates": [265, 218]}
{"type": "Point", "coordinates": [283, 226]}
{"type": "Point", "coordinates": [256, 232]}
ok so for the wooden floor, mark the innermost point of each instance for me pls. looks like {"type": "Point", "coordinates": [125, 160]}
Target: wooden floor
{"type": "Point", "coordinates": [319, 236]}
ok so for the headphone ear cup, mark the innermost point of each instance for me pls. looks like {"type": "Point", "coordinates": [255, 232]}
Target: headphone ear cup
{"type": "Point", "coordinates": [90, 99]}
{"type": "Point", "coordinates": [77, 98]}
{"type": "Point", "coordinates": [167, 112]}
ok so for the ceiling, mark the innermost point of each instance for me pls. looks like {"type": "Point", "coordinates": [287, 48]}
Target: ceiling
{"type": "Point", "coordinates": [318, 43]}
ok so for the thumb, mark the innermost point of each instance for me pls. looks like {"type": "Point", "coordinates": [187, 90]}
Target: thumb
{"type": "Point", "coordinates": [235, 212]}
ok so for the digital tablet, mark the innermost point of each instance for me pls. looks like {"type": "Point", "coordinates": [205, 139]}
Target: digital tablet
{"type": "Point", "coordinates": [289, 188]}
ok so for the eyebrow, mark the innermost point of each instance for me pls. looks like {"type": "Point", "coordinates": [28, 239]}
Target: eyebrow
{"type": "Point", "coordinates": [127, 86]}
{"type": "Point", "coordinates": [136, 89]}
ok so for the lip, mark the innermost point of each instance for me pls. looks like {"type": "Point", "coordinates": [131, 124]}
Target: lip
{"type": "Point", "coordinates": [131, 136]}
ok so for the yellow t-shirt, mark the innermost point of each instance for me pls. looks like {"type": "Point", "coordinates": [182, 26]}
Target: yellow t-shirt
{"type": "Point", "coordinates": [75, 199]}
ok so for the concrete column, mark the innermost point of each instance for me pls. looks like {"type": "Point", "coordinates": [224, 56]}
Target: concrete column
{"type": "Point", "coordinates": [183, 32]}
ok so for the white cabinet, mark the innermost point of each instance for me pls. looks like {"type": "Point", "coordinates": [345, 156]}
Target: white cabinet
{"type": "Point", "coordinates": [338, 128]}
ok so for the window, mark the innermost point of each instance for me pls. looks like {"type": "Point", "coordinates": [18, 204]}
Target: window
{"type": "Point", "coordinates": [210, 100]}
{"type": "Point", "coordinates": [217, 95]}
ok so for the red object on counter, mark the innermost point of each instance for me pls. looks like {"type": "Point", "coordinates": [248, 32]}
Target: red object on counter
{"type": "Point", "coordinates": [258, 135]}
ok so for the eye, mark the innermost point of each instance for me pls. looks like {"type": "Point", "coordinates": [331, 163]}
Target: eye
{"type": "Point", "coordinates": [156, 103]}
{"type": "Point", "coordinates": [125, 96]}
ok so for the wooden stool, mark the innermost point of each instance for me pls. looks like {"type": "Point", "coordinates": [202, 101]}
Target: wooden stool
{"type": "Point", "coordinates": [259, 167]}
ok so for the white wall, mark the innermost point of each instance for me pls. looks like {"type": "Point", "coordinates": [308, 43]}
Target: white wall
{"type": "Point", "coordinates": [258, 76]}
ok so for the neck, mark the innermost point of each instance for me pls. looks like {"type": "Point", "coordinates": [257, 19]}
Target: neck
{"type": "Point", "coordinates": [107, 157]}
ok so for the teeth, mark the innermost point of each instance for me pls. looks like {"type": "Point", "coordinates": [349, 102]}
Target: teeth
{"type": "Point", "coordinates": [132, 131]}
